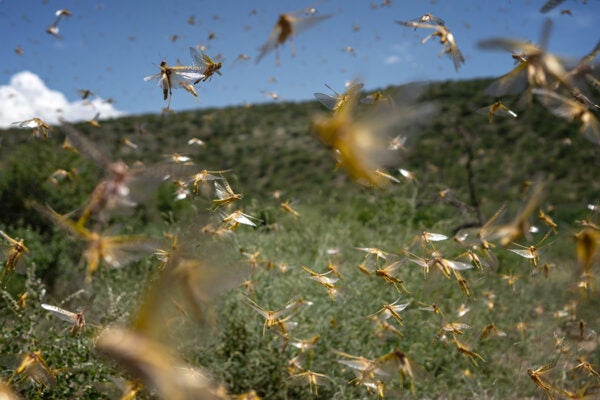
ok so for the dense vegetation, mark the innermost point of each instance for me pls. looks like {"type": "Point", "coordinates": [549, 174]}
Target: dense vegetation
{"type": "Point", "coordinates": [466, 170]}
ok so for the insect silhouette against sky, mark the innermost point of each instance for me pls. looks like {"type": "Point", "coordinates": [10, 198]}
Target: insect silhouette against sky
{"type": "Point", "coordinates": [53, 28]}
{"type": "Point", "coordinates": [339, 100]}
{"type": "Point", "coordinates": [446, 38]}
{"type": "Point", "coordinates": [288, 25]}
{"type": "Point", "coordinates": [173, 77]}
{"type": "Point", "coordinates": [536, 68]}
{"type": "Point", "coordinates": [206, 65]}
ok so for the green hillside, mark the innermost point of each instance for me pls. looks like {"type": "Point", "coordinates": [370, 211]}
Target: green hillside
{"type": "Point", "coordinates": [466, 170]}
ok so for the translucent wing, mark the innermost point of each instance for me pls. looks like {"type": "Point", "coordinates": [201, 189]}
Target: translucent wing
{"type": "Point", "coordinates": [428, 18]}
{"type": "Point", "coordinates": [514, 46]}
{"type": "Point", "coordinates": [84, 145]}
{"type": "Point", "coordinates": [30, 123]}
{"type": "Point", "coordinates": [61, 313]}
{"type": "Point", "coordinates": [242, 218]}
{"type": "Point", "coordinates": [434, 237]}
{"type": "Point", "coordinates": [301, 24]}
{"type": "Point", "coordinates": [512, 82]}
{"type": "Point", "coordinates": [458, 265]}
{"type": "Point", "coordinates": [198, 58]}
{"type": "Point", "coordinates": [327, 100]}
{"type": "Point", "coordinates": [288, 25]}
{"type": "Point", "coordinates": [505, 112]}
{"type": "Point", "coordinates": [122, 250]}
{"type": "Point", "coordinates": [416, 24]}
{"type": "Point", "coordinates": [153, 76]}
{"type": "Point", "coordinates": [559, 105]}
{"type": "Point", "coordinates": [223, 191]}
{"type": "Point", "coordinates": [591, 129]}
{"type": "Point", "coordinates": [526, 253]}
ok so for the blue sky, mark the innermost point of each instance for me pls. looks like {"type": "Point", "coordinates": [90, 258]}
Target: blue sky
{"type": "Point", "coordinates": [109, 47]}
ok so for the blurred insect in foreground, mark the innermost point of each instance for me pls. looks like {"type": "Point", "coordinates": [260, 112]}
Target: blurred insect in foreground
{"type": "Point", "coordinates": [340, 100]}
{"type": "Point", "coordinates": [6, 392]}
{"type": "Point", "coordinates": [446, 38]}
{"type": "Point", "coordinates": [116, 251]}
{"type": "Point", "coordinates": [251, 395]}
{"type": "Point", "coordinates": [536, 67]}
{"type": "Point", "coordinates": [366, 371]}
{"type": "Point", "coordinates": [123, 187]}
{"type": "Point", "coordinates": [205, 64]}
{"type": "Point", "coordinates": [397, 362]}
{"type": "Point", "coordinates": [40, 128]}
{"type": "Point", "coordinates": [77, 319]}
{"type": "Point", "coordinates": [287, 26]}
{"type": "Point", "coordinates": [129, 388]}
{"type": "Point", "coordinates": [520, 225]}
{"type": "Point", "coordinates": [15, 251]}
{"type": "Point", "coordinates": [583, 73]}
{"type": "Point", "coordinates": [550, 5]}
{"type": "Point", "coordinates": [587, 245]}
{"type": "Point", "coordinates": [53, 29]}
{"type": "Point", "coordinates": [387, 176]}
{"type": "Point", "coordinates": [570, 110]}
{"type": "Point", "coordinates": [379, 97]}
{"type": "Point", "coordinates": [496, 109]}
{"type": "Point", "coordinates": [196, 142]}
{"type": "Point", "coordinates": [94, 121]}
{"type": "Point", "coordinates": [180, 76]}
{"type": "Point", "coordinates": [156, 366]}
{"type": "Point", "coordinates": [360, 145]}
{"type": "Point", "coordinates": [35, 368]}
{"type": "Point", "coordinates": [546, 219]}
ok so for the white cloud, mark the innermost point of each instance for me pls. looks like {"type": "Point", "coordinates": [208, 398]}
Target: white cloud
{"type": "Point", "coordinates": [27, 96]}
{"type": "Point", "coordinates": [392, 60]}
